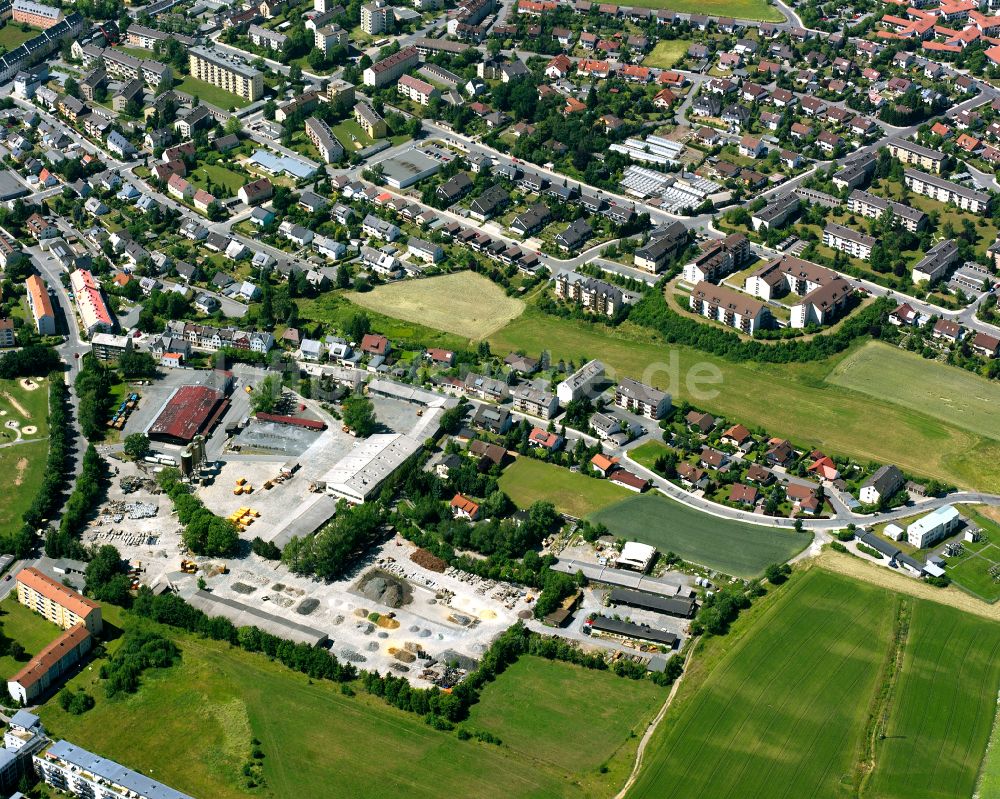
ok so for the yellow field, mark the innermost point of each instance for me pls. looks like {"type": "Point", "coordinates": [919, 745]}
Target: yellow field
{"type": "Point", "coordinates": [462, 303]}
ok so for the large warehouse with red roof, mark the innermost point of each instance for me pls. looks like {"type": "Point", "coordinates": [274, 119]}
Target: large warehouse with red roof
{"type": "Point", "coordinates": [191, 411]}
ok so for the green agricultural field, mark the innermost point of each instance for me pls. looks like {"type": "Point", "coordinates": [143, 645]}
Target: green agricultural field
{"type": "Point", "coordinates": [211, 94]}
{"type": "Point", "coordinates": [463, 303]}
{"type": "Point", "coordinates": [761, 719]}
{"type": "Point", "coordinates": [942, 708]}
{"type": "Point", "coordinates": [316, 741]}
{"type": "Point", "coordinates": [29, 629]}
{"type": "Point", "coordinates": [221, 177]}
{"type": "Point", "coordinates": [945, 392]}
{"type": "Point", "coordinates": [666, 53]}
{"type": "Point", "coordinates": [647, 453]}
{"type": "Point", "coordinates": [12, 36]}
{"type": "Point", "coordinates": [528, 480]}
{"type": "Point", "coordinates": [534, 710]}
{"type": "Point", "coordinates": [814, 722]}
{"type": "Point", "coordinates": [740, 9]}
{"type": "Point", "coordinates": [743, 550]}
{"type": "Point", "coordinates": [989, 776]}
{"type": "Point", "coordinates": [814, 412]}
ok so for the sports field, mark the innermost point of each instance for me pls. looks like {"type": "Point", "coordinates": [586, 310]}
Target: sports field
{"type": "Point", "coordinates": [945, 392]}
{"type": "Point", "coordinates": [666, 53]}
{"type": "Point", "coordinates": [527, 480]}
{"type": "Point", "coordinates": [803, 696]}
{"type": "Point", "coordinates": [743, 550]}
{"type": "Point", "coordinates": [535, 710]}
{"type": "Point", "coordinates": [740, 9]}
{"type": "Point", "coordinates": [463, 303]}
{"type": "Point", "coordinates": [316, 741]}
{"type": "Point", "coordinates": [814, 412]}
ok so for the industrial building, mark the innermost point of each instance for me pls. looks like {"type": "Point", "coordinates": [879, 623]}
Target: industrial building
{"type": "Point", "coordinates": [682, 607]}
{"type": "Point", "coordinates": [190, 411]}
{"type": "Point", "coordinates": [626, 629]}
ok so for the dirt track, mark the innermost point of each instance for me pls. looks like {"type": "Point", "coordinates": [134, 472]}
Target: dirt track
{"type": "Point", "coordinates": [862, 570]}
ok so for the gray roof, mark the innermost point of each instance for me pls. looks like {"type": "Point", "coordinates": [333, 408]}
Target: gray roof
{"type": "Point", "coordinates": [113, 772]}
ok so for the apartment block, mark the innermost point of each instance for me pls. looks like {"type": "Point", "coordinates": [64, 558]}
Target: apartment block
{"type": "Point", "coordinates": [593, 295]}
{"type": "Point", "coordinates": [370, 121]}
{"type": "Point", "coordinates": [41, 306]}
{"type": "Point", "coordinates": [48, 667]}
{"type": "Point", "coordinates": [947, 192]}
{"type": "Point", "coordinates": [729, 307]}
{"type": "Point", "coordinates": [855, 244]}
{"type": "Point", "coordinates": [874, 207]}
{"type": "Point", "coordinates": [60, 605]}
{"type": "Point", "coordinates": [419, 91]}
{"type": "Point", "coordinates": [320, 134]}
{"type": "Point", "coordinates": [376, 18]}
{"type": "Point", "coordinates": [389, 69]}
{"type": "Point", "coordinates": [916, 155]}
{"type": "Point", "coordinates": [228, 74]}
{"type": "Point", "coordinates": [534, 402]}
{"type": "Point", "coordinates": [640, 399]}
{"type": "Point", "coordinates": [35, 14]}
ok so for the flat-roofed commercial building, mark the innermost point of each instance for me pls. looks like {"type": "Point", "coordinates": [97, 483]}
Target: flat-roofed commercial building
{"type": "Point", "coordinates": [56, 602]}
{"type": "Point", "coordinates": [41, 306]}
{"type": "Point", "coordinates": [226, 73]}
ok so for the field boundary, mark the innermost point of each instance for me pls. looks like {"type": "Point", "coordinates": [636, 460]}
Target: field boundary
{"type": "Point", "coordinates": [651, 729]}
{"type": "Point", "coordinates": [991, 744]}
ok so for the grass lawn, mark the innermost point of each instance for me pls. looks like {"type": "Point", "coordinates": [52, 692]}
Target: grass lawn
{"type": "Point", "coordinates": [463, 303]}
{"type": "Point", "coordinates": [548, 728]}
{"type": "Point", "coordinates": [989, 776]}
{"type": "Point", "coordinates": [740, 9]}
{"type": "Point", "coordinates": [666, 53]}
{"type": "Point", "coordinates": [814, 412]}
{"type": "Point", "coordinates": [220, 176]}
{"type": "Point", "coordinates": [347, 128]}
{"type": "Point", "coordinates": [802, 721]}
{"type": "Point", "coordinates": [12, 36]}
{"type": "Point", "coordinates": [942, 708]}
{"type": "Point", "coordinates": [26, 627]}
{"type": "Point", "coordinates": [647, 453]}
{"type": "Point", "coordinates": [527, 480]}
{"type": "Point", "coordinates": [27, 408]}
{"type": "Point", "coordinates": [939, 390]}
{"type": "Point", "coordinates": [24, 465]}
{"type": "Point", "coordinates": [971, 570]}
{"type": "Point", "coordinates": [333, 309]}
{"type": "Point", "coordinates": [743, 550]}
{"type": "Point", "coordinates": [313, 737]}
{"type": "Point", "coordinates": [211, 94]}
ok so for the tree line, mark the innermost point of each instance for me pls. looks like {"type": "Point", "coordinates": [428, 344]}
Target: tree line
{"type": "Point", "coordinates": [64, 542]}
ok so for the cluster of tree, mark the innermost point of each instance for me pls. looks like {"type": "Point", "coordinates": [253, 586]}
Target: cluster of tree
{"type": "Point", "coordinates": [136, 446]}
{"type": "Point", "coordinates": [720, 610]}
{"type": "Point", "coordinates": [142, 649]}
{"type": "Point", "coordinates": [107, 577]}
{"type": "Point", "coordinates": [50, 493]}
{"type": "Point", "coordinates": [332, 550]}
{"type": "Point", "coordinates": [556, 586]}
{"type": "Point", "coordinates": [135, 365]}
{"type": "Point", "coordinates": [265, 549]}
{"type": "Point", "coordinates": [172, 610]}
{"type": "Point", "coordinates": [34, 360]}
{"type": "Point", "coordinates": [161, 306]}
{"type": "Point", "coordinates": [652, 311]}
{"type": "Point", "coordinates": [204, 532]}
{"type": "Point", "coordinates": [64, 542]}
{"type": "Point", "coordinates": [93, 390]}
{"type": "Point", "coordinates": [77, 702]}
{"type": "Point", "coordinates": [359, 415]}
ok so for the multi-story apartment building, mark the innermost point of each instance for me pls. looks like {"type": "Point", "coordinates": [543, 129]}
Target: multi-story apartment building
{"type": "Point", "coordinates": [35, 14]}
{"type": "Point", "coordinates": [370, 121]}
{"type": "Point", "coordinates": [420, 91]}
{"type": "Point", "coordinates": [210, 338]}
{"type": "Point", "coordinates": [534, 402]}
{"type": "Point", "coordinates": [640, 399]}
{"type": "Point", "coordinates": [340, 91]}
{"type": "Point", "coordinates": [947, 192]}
{"type": "Point", "coordinates": [392, 67]}
{"type": "Point", "coordinates": [718, 258]}
{"type": "Point", "coordinates": [376, 18]}
{"type": "Point", "coordinates": [46, 668]}
{"type": "Point", "coordinates": [127, 67]}
{"type": "Point", "coordinates": [328, 37]}
{"type": "Point", "coordinates": [94, 314]}
{"type": "Point", "coordinates": [916, 155]}
{"type": "Point", "coordinates": [874, 207]}
{"type": "Point", "coordinates": [264, 37]}
{"type": "Point", "coordinates": [82, 774]}
{"type": "Point", "coordinates": [229, 74]}
{"type": "Point", "coordinates": [59, 604]}
{"type": "Point", "coordinates": [582, 381]}
{"type": "Point", "coordinates": [933, 266]}
{"type": "Point", "coordinates": [40, 305]}
{"type": "Point", "coordinates": [146, 38]}
{"type": "Point", "coordinates": [845, 239]}
{"type": "Point", "coordinates": [320, 134]}
{"type": "Point", "coordinates": [7, 336]}
{"type": "Point", "coordinates": [593, 295]}
{"type": "Point", "coordinates": [730, 307]}
{"type": "Point", "coordinates": [654, 256]}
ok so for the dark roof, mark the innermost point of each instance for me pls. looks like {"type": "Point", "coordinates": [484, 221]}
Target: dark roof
{"type": "Point", "coordinates": [630, 630]}
{"type": "Point", "coordinates": [190, 411]}
{"type": "Point", "coordinates": [673, 606]}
